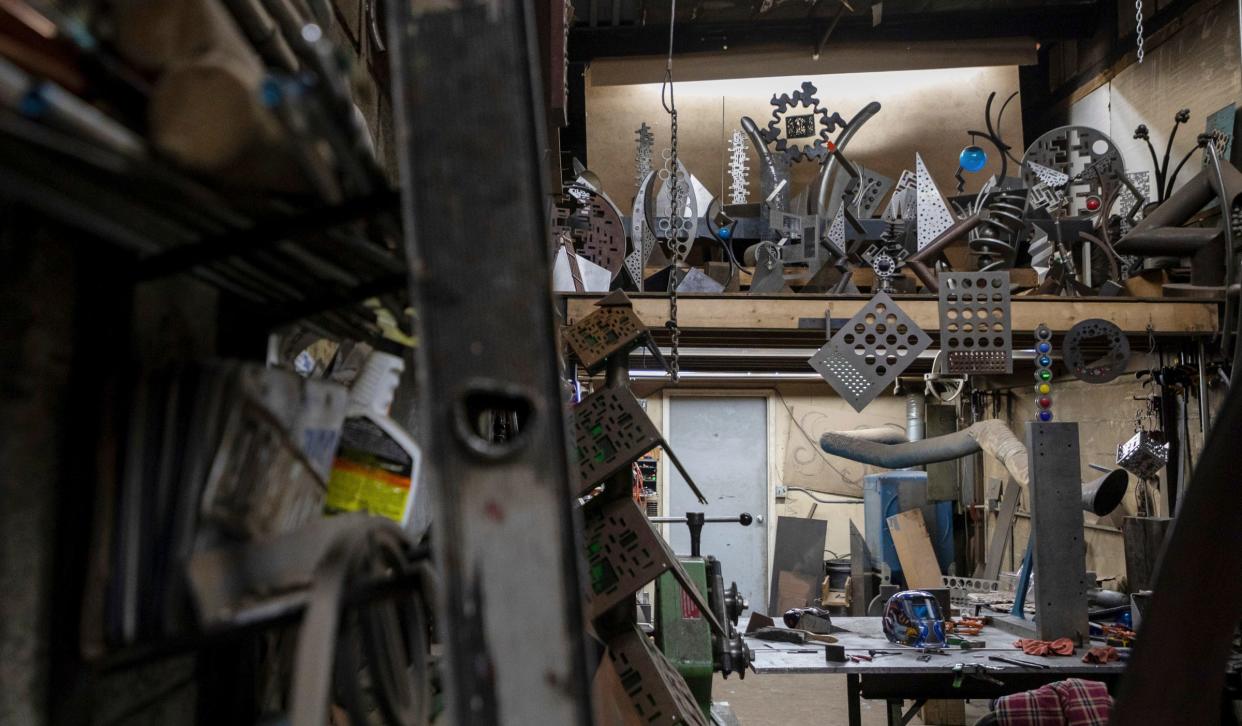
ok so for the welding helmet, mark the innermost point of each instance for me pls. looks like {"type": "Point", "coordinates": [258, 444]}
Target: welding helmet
{"type": "Point", "coordinates": [913, 617]}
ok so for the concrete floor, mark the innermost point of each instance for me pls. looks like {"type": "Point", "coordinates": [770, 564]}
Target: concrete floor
{"type": "Point", "coordinates": [794, 700]}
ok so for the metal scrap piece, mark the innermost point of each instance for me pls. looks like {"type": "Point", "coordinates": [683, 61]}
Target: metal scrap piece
{"type": "Point", "coordinates": [932, 212]}
{"type": "Point", "coordinates": [975, 323]}
{"type": "Point", "coordinates": [870, 351]}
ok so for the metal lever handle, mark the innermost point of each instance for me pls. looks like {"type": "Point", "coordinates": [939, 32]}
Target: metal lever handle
{"type": "Point", "coordinates": [696, 520]}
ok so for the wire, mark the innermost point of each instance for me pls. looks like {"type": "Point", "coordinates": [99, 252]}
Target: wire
{"type": "Point", "coordinates": [814, 444]}
{"type": "Point", "coordinates": [811, 493]}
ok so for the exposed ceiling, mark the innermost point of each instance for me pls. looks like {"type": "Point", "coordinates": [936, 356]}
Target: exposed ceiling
{"type": "Point", "coordinates": [612, 28]}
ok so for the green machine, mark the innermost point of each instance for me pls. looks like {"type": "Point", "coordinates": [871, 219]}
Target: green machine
{"type": "Point", "coordinates": [683, 634]}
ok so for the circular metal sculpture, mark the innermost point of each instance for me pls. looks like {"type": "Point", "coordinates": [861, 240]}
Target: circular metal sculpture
{"type": "Point", "coordinates": [594, 224]}
{"type": "Point", "coordinates": [1070, 171]}
{"type": "Point", "coordinates": [800, 125]}
{"type": "Point", "coordinates": [1094, 367]}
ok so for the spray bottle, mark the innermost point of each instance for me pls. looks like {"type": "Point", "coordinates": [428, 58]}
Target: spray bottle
{"type": "Point", "coordinates": [377, 463]}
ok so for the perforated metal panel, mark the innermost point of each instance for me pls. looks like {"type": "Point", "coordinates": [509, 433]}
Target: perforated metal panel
{"type": "Point", "coordinates": [657, 692]}
{"type": "Point", "coordinates": [610, 431]}
{"type": "Point", "coordinates": [595, 225]}
{"type": "Point", "coordinates": [975, 330]}
{"type": "Point", "coordinates": [1104, 366]}
{"type": "Point", "coordinates": [870, 351]}
{"type": "Point", "coordinates": [606, 331]}
{"type": "Point", "coordinates": [624, 553]}
{"type": "Point", "coordinates": [931, 211]}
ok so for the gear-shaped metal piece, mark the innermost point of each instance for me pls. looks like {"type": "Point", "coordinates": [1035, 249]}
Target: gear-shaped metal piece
{"type": "Point", "coordinates": [800, 125]}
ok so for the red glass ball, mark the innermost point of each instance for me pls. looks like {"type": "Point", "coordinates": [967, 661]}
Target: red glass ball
{"type": "Point", "coordinates": [1045, 402]}
{"type": "Point", "coordinates": [1093, 203]}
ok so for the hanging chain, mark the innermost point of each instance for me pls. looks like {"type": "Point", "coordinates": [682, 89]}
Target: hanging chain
{"type": "Point", "coordinates": [1138, 30]}
{"type": "Point", "coordinates": [675, 203]}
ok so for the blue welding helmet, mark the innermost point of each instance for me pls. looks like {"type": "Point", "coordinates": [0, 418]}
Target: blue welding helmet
{"type": "Point", "coordinates": [913, 617]}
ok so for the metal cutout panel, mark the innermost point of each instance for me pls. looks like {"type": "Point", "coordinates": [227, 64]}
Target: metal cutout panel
{"type": "Point", "coordinates": [932, 213]}
{"type": "Point", "coordinates": [602, 333]}
{"type": "Point", "coordinates": [975, 330]}
{"type": "Point", "coordinates": [657, 692]}
{"type": "Point", "coordinates": [610, 431]}
{"type": "Point", "coordinates": [624, 553]}
{"type": "Point", "coordinates": [595, 226]}
{"type": "Point", "coordinates": [870, 351]}
{"type": "Point", "coordinates": [1103, 367]}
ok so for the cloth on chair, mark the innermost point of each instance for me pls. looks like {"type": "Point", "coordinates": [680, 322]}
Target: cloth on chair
{"type": "Point", "coordinates": [1072, 702]}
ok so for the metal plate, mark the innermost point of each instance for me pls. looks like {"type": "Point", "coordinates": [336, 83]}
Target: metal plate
{"type": "Point", "coordinates": [657, 692]}
{"type": "Point", "coordinates": [932, 213]}
{"type": "Point", "coordinates": [595, 226]}
{"type": "Point", "coordinates": [870, 351]}
{"type": "Point", "coordinates": [1078, 161]}
{"type": "Point", "coordinates": [606, 331]}
{"type": "Point", "coordinates": [623, 554]}
{"type": "Point", "coordinates": [1056, 520]}
{"type": "Point", "coordinates": [1101, 368]}
{"type": "Point", "coordinates": [975, 330]}
{"type": "Point", "coordinates": [610, 431]}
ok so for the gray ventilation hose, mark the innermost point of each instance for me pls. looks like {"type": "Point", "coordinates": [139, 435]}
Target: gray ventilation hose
{"type": "Point", "coordinates": [878, 434]}
{"type": "Point", "coordinates": [991, 436]}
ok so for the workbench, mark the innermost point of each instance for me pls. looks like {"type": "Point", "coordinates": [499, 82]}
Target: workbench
{"type": "Point", "coordinates": [903, 677]}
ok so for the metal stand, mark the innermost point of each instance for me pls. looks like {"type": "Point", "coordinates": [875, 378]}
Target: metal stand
{"type": "Point", "coordinates": [504, 532]}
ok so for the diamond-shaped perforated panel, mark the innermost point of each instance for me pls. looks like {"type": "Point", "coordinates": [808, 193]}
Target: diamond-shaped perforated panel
{"type": "Point", "coordinates": [610, 431]}
{"type": "Point", "coordinates": [602, 333]}
{"type": "Point", "coordinates": [870, 351]}
{"type": "Point", "coordinates": [657, 692]}
{"type": "Point", "coordinates": [975, 331]}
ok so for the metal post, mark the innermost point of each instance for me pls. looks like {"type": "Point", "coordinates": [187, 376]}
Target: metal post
{"type": "Point", "coordinates": [504, 530]}
{"type": "Point", "coordinates": [1058, 548]}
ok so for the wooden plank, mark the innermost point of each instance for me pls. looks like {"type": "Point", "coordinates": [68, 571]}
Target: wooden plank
{"type": "Point", "coordinates": [783, 313]}
{"type": "Point", "coordinates": [914, 550]}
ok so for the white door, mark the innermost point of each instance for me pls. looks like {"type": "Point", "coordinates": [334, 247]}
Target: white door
{"type": "Point", "coordinates": [723, 443]}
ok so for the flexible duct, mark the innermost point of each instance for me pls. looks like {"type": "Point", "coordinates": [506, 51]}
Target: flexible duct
{"type": "Point", "coordinates": [991, 436]}
{"type": "Point", "coordinates": [878, 434]}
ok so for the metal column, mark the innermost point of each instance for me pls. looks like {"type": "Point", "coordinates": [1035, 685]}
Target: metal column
{"type": "Point", "coordinates": [1056, 525]}
{"type": "Point", "coordinates": [470, 123]}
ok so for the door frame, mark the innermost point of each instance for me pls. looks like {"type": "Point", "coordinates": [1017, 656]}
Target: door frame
{"type": "Point", "coordinates": [769, 396]}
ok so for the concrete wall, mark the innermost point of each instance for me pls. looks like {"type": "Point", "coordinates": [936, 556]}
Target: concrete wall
{"type": "Point", "coordinates": [927, 111]}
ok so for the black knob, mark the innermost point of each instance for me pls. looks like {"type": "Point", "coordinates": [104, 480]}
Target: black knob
{"type": "Point", "coordinates": [745, 519]}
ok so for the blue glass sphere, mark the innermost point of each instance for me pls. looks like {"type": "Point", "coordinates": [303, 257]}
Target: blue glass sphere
{"type": "Point", "coordinates": [1044, 347]}
{"type": "Point", "coordinates": [973, 158]}
{"type": "Point", "coordinates": [724, 233]}
{"type": "Point", "coordinates": [1045, 416]}
{"type": "Point", "coordinates": [1045, 361]}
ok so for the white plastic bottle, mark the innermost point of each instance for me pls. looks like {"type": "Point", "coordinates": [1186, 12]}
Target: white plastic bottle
{"type": "Point", "coordinates": [377, 463]}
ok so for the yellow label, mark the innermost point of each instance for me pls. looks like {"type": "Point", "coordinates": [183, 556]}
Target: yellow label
{"type": "Point", "coordinates": [356, 487]}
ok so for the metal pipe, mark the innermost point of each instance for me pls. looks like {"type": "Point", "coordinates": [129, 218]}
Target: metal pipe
{"type": "Point", "coordinates": [916, 407]}
{"type": "Point", "coordinates": [825, 180]}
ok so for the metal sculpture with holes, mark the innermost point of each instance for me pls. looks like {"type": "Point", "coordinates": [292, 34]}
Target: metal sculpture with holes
{"type": "Point", "coordinates": [975, 331]}
{"type": "Point", "coordinates": [868, 353]}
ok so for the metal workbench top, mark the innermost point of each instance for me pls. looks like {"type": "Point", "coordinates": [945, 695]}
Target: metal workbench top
{"type": "Point", "coordinates": [859, 635]}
